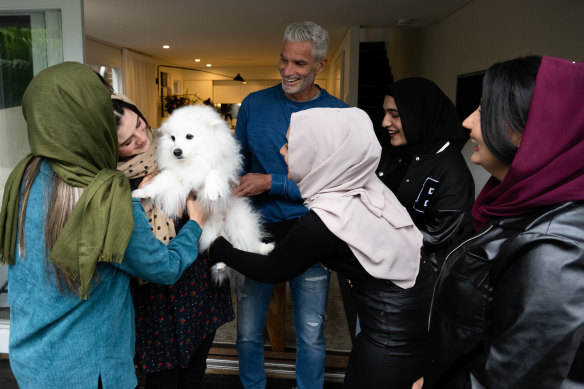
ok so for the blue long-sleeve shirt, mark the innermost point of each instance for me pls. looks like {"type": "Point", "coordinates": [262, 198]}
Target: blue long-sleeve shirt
{"type": "Point", "coordinates": [262, 123]}
{"type": "Point", "coordinates": [58, 339]}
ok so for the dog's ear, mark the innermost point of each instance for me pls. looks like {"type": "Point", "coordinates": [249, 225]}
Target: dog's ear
{"type": "Point", "coordinates": [217, 123]}
{"type": "Point", "coordinates": [165, 130]}
{"type": "Point", "coordinates": [157, 133]}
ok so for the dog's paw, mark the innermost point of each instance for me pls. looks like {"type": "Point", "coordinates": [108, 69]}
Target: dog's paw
{"type": "Point", "coordinates": [219, 273]}
{"type": "Point", "coordinates": [266, 248]}
{"type": "Point", "coordinates": [215, 188]}
{"type": "Point", "coordinates": [140, 194]}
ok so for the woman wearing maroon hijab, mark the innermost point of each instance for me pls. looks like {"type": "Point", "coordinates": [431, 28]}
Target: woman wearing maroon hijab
{"type": "Point", "coordinates": [508, 310]}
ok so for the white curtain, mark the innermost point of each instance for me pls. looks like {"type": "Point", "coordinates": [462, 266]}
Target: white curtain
{"type": "Point", "coordinates": [139, 75]}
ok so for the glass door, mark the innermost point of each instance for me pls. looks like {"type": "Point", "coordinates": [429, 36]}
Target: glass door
{"type": "Point", "coordinates": [34, 34]}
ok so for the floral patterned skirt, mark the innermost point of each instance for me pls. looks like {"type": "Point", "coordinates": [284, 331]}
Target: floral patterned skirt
{"type": "Point", "coordinates": [172, 321]}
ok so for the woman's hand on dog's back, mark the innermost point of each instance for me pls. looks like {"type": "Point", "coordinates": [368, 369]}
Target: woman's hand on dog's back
{"type": "Point", "coordinates": [195, 210]}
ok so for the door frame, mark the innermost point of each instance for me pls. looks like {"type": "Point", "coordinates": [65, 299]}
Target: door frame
{"type": "Point", "coordinates": [73, 36]}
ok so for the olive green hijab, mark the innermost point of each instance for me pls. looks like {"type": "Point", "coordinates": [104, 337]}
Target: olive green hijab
{"type": "Point", "coordinates": [70, 122]}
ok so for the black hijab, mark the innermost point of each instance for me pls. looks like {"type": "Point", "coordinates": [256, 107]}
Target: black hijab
{"type": "Point", "coordinates": [428, 117]}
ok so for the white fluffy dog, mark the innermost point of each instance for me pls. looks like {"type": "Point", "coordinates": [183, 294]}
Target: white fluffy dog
{"type": "Point", "coordinates": [197, 152]}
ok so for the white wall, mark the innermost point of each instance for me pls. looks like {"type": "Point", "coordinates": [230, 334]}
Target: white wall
{"type": "Point", "coordinates": [488, 31]}
{"type": "Point", "coordinates": [349, 49]}
{"type": "Point", "coordinates": [403, 51]}
{"type": "Point", "coordinates": [234, 91]}
{"type": "Point", "coordinates": [102, 53]}
{"type": "Point", "coordinates": [482, 33]}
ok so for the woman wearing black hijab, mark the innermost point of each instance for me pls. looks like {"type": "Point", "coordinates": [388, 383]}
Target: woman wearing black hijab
{"type": "Point", "coordinates": [421, 163]}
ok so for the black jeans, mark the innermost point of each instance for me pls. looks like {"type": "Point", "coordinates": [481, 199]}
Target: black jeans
{"type": "Point", "coordinates": [190, 377]}
{"type": "Point", "coordinates": [392, 348]}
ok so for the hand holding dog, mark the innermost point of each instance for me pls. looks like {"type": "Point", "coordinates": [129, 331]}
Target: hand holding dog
{"type": "Point", "coordinates": [195, 210]}
{"type": "Point", "coordinates": [146, 180]}
{"type": "Point", "coordinates": [197, 153]}
{"type": "Point", "coordinates": [253, 184]}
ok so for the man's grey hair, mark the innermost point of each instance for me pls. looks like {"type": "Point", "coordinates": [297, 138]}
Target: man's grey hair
{"type": "Point", "coordinates": [309, 32]}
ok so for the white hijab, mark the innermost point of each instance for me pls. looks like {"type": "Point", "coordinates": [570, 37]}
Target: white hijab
{"type": "Point", "coordinates": [332, 156]}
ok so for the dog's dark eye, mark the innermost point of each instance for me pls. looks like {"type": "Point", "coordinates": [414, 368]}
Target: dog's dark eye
{"type": "Point", "coordinates": [172, 137]}
{"type": "Point", "coordinates": [189, 136]}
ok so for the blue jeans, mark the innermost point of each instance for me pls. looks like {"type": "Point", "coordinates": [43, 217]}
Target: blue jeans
{"type": "Point", "coordinates": [309, 295]}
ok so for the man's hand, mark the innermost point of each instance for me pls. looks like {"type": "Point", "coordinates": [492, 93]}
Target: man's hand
{"type": "Point", "coordinates": [253, 184]}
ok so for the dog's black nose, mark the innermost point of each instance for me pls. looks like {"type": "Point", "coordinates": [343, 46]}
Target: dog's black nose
{"type": "Point", "coordinates": [177, 152]}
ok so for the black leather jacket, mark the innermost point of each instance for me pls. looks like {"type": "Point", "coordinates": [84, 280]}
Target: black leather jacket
{"type": "Point", "coordinates": [508, 309]}
{"type": "Point", "coordinates": [437, 190]}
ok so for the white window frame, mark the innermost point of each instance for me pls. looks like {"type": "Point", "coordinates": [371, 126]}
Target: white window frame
{"type": "Point", "coordinates": [72, 33]}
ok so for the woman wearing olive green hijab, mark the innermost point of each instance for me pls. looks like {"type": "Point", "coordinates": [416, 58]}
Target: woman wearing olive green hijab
{"type": "Point", "coordinates": [73, 236]}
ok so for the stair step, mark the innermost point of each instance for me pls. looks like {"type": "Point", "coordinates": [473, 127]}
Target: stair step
{"type": "Point", "coordinates": [378, 78]}
{"type": "Point", "coordinates": [372, 90]}
{"type": "Point", "coordinates": [382, 62]}
{"type": "Point", "coordinates": [378, 45]}
{"type": "Point", "coordinates": [367, 75]}
{"type": "Point", "coordinates": [372, 54]}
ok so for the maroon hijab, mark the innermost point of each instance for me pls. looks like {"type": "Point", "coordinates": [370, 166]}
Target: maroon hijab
{"type": "Point", "coordinates": [549, 165]}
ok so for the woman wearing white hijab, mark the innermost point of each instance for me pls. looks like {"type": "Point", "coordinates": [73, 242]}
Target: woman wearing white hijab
{"type": "Point", "coordinates": [357, 227]}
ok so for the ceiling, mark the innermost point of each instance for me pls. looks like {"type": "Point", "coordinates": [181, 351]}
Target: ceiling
{"type": "Point", "coordinates": [244, 33]}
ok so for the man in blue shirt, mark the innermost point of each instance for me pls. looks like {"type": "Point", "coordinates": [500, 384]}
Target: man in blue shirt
{"type": "Point", "coordinates": [262, 123]}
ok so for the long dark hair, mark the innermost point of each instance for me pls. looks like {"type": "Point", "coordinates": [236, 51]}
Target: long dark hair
{"type": "Point", "coordinates": [63, 199]}
{"type": "Point", "coordinates": [120, 106]}
{"type": "Point", "coordinates": [507, 90]}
